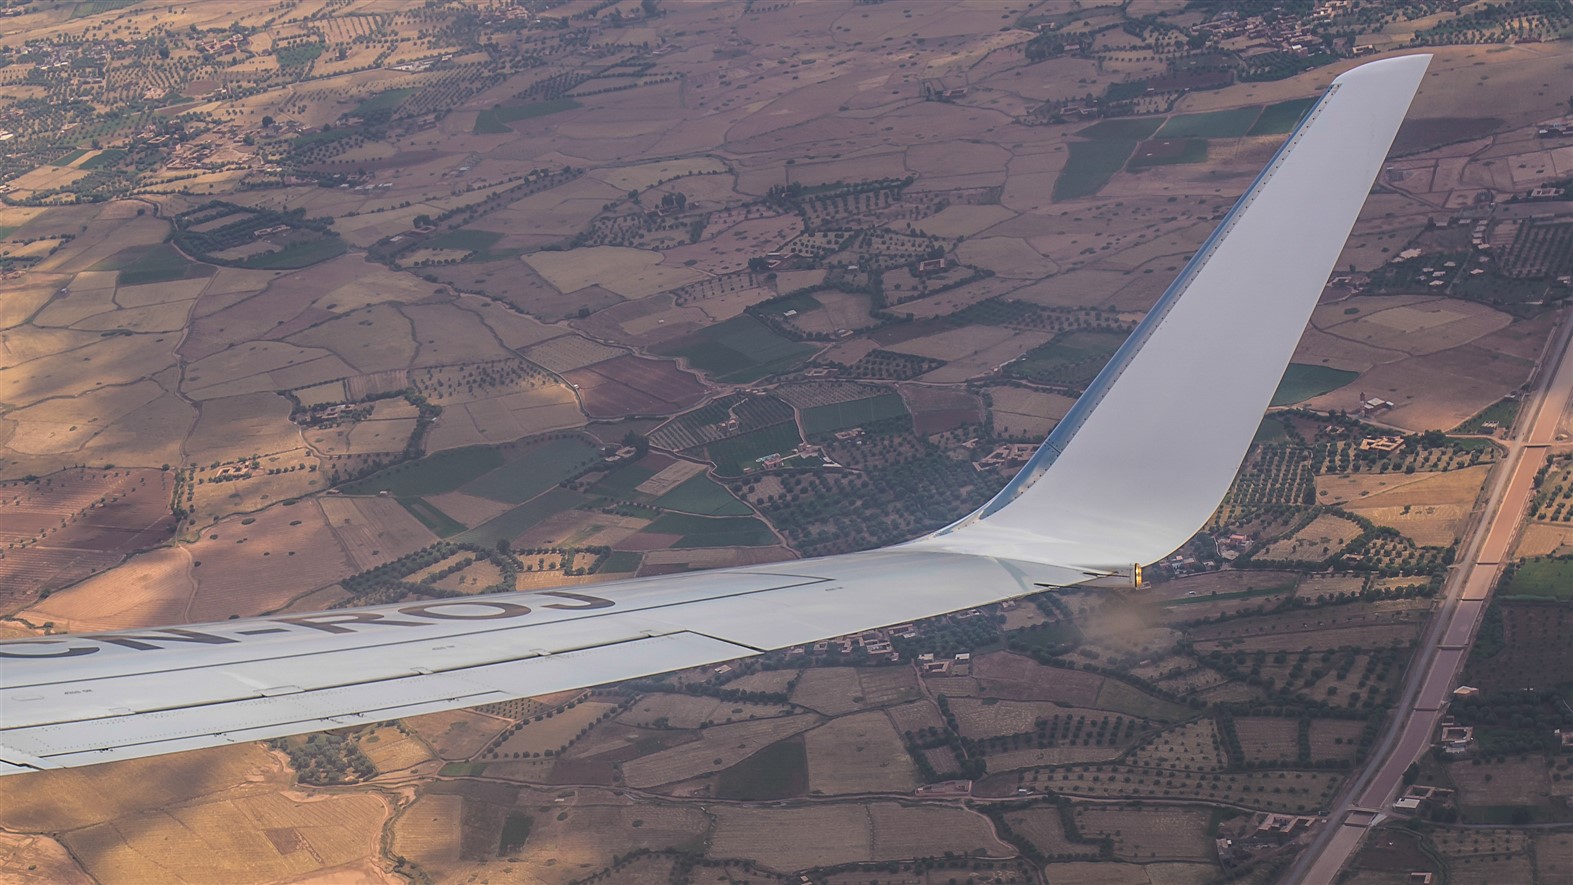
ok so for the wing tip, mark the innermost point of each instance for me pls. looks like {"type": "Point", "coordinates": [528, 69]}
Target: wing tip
{"type": "Point", "coordinates": [1413, 64]}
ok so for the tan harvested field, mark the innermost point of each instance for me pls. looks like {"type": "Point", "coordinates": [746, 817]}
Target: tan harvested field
{"type": "Point", "coordinates": [1322, 538]}
{"type": "Point", "coordinates": [1193, 746]}
{"type": "Point", "coordinates": [915, 717]}
{"type": "Point", "coordinates": [1540, 539]}
{"type": "Point", "coordinates": [1021, 412]}
{"type": "Point", "coordinates": [1515, 780]}
{"type": "Point", "coordinates": [1146, 834]}
{"type": "Point", "coordinates": [392, 750]}
{"type": "Point", "coordinates": [971, 351]}
{"type": "Point", "coordinates": [1045, 829]}
{"type": "Point", "coordinates": [830, 690]}
{"type": "Point", "coordinates": [245, 569]}
{"type": "Point", "coordinates": [717, 748]}
{"type": "Point", "coordinates": [1429, 508]}
{"type": "Point", "coordinates": [555, 732]}
{"type": "Point", "coordinates": [374, 530]}
{"type": "Point", "coordinates": [631, 273]}
{"type": "Point", "coordinates": [829, 834]}
{"type": "Point", "coordinates": [860, 753]}
{"type": "Point", "coordinates": [456, 734]}
{"type": "Point", "coordinates": [765, 680]}
{"type": "Point", "coordinates": [1017, 677]}
{"type": "Point", "coordinates": [1267, 739]}
{"type": "Point", "coordinates": [1553, 857]}
{"type": "Point", "coordinates": [692, 711]}
{"type": "Point", "coordinates": [1335, 738]}
{"type": "Point", "coordinates": [981, 718]}
{"type": "Point", "coordinates": [569, 352]}
{"type": "Point", "coordinates": [38, 860]}
{"type": "Point", "coordinates": [70, 799]}
{"type": "Point", "coordinates": [1423, 326]}
{"type": "Point", "coordinates": [1488, 857]}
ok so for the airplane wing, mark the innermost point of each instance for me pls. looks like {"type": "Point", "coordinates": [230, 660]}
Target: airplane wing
{"type": "Point", "coordinates": [1130, 474]}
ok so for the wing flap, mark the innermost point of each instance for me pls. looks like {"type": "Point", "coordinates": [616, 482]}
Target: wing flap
{"type": "Point", "coordinates": [190, 727]}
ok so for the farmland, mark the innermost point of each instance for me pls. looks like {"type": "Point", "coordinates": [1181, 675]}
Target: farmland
{"type": "Point", "coordinates": [320, 304]}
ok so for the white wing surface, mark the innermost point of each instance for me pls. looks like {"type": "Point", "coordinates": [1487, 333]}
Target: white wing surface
{"type": "Point", "coordinates": [1130, 474]}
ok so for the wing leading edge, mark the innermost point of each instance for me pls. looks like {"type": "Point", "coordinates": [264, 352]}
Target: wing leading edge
{"type": "Point", "coordinates": [1129, 475]}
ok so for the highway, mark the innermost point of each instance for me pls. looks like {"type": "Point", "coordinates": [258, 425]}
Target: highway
{"type": "Point", "coordinates": [1486, 545]}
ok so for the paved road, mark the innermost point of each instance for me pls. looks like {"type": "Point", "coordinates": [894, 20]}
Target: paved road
{"type": "Point", "coordinates": [1447, 639]}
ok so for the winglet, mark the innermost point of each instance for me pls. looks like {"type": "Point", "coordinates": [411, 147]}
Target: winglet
{"type": "Point", "coordinates": [1148, 451]}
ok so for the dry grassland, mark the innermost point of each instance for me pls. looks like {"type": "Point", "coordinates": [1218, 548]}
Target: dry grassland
{"type": "Point", "coordinates": [570, 352]}
{"type": "Point", "coordinates": [392, 750]}
{"type": "Point", "coordinates": [556, 732]}
{"type": "Point", "coordinates": [69, 799]}
{"type": "Point", "coordinates": [1540, 539]}
{"type": "Point", "coordinates": [1553, 857]}
{"type": "Point", "coordinates": [765, 680]}
{"type": "Point", "coordinates": [1149, 833]}
{"type": "Point", "coordinates": [860, 753]}
{"type": "Point", "coordinates": [1335, 738]}
{"type": "Point", "coordinates": [717, 748]}
{"type": "Point", "coordinates": [1016, 677]}
{"type": "Point", "coordinates": [374, 530]}
{"type": "Point", "coordinates": [1323, 537]}
{"type": "Point", "coordinates": [1515, 780]}
{"type": "Point", "coordinates": [830, 690]}
{"type": "Point", "coordinates": [1267, 739]}
{"type": "Point", "coordinates": [1021, 412]}
{"type": "Point", "coordinates": [631, 273]}
{"type": "Point", "coordinates": [1045, 829]}
{"type": "Point", "coordinates": [828, 834]}
{"type": "Point", "coordinates": [915, 717]}
{"type": "Point", "coordinates": [257, 838]}
{"type": "Point", "coordinates": [690, 711]}
{"type": "Point", "coordinates": [1487, 857]}
{"type": "Point", "coordinates": [1091, 873]}
{"type": "Point", "coordinates": [1423, 327]}
{"type": "Point", "coordinates": [38, 860]}
{"type": "Point", "coordinates": [373, 339]}
{"type": "Point", "coordinates": [1194, 746]}
{"type": "Point", "coordinates": [981, 718]}
{"type": "Point", "coordinates": [456, 734]}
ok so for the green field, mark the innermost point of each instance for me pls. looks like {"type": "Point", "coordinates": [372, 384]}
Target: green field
{"type": "Point", "coordinates": [622, 561]}
{"type": "Point", "coordinates": [160, 264]}
{"type": "Point", "coordinates": [383, 101]}
{"type": "Point", "coordinates": [840, 416]}
{"type": "Point", "coordinates": [302, 254]}
{"type": "Point", "coordinates": [731, 456]}
{"type": "Point", "coordinates": [431, 475]}
{"type": "Point", "coordinates": [1191, 150]}
{"type": "Point", "coordinates": [510, 524]}
{"type": "Point", "coordinates": [68, 159]}
{"type": "Point", "coordinates": [471, 239]}
{"type": "Point", "coordinates": [1213, 124]}
{"type": "Point", "coordinates": [1302, 381]}
{"type": "Point", "coordinates": [1072, 358]}
{"type": "Point", "coordinates": [534, 471]}
{"type": "Point", "coordinates": [779, 771]}
{"type": "Point", "coordinates": [801, 302]}
{"type": "Point", "coordinates": [1271, 430]}
{"type": "Point", "coordinates": [1282, 117]}
{"type": "Point", "coordinates": [1540, 579]}
{"type": "Point", "coordinates": [738, 351]}
{"type": "Point", "coordinates": [98, 7]}
{"type": "Point", "coordinates": [700, 494]}
{"type": "Point", "coordinates": [1091, 165]}
{"type": "Point", "coordinates": [298, 55]}
{"type": "Point", "coordinates": [1053, 638]}
{"type": "Point", "coordinates": [441, 523]}
{"type": "Point", "coordinates": [103, 159]}
{"type": "Point", "coordinates": [713, 531]}
{"type": "Point", "coordinates": [1128, 129]}
{"type": "Point", "coordinates": [495, 121]}
{"type": "Point", "coordinates": [321, 137]}
{"type": "Point", "coordinates": [1503, 411]}
{"type": "Point", "coordinates": [620, 483]}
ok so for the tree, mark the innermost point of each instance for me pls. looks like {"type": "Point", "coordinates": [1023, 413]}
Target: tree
{"type": "Point", "coordinates": [267, 121]}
